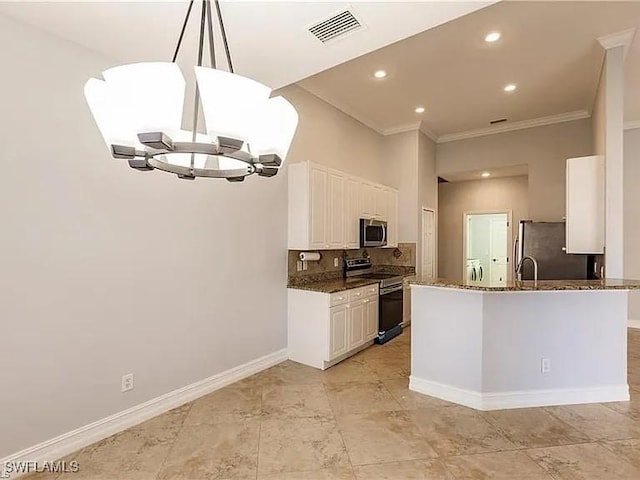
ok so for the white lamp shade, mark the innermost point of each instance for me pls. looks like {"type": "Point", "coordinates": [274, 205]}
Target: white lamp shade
{"type": "Point", "coordinates": [107, 113]}
{"type": "Point", "coordinates": [274, 131]}
{"type": "Point", "coordinates": [229, 102]}
{"type": "Point", "coordinates": [137, 98]}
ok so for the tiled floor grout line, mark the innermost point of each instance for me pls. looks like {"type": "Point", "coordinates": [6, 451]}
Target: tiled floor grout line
{"type": "Point", "coordinates": [335, 419]}
{"type": "Point", "coordinates": [175, 439]}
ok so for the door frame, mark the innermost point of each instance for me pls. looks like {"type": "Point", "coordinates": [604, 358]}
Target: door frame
{"type": "Point", "coordinates": [435, 239]}
{"type": "Point", "coordinates": [465, 222]}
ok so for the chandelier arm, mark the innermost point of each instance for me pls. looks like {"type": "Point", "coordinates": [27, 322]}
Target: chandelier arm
{"type": "Point", "coordinates": [224, 36]}
{"type": "Point", "coordinates": [184, 27]}
{"type": "Point", "coordinates": [212, 49]}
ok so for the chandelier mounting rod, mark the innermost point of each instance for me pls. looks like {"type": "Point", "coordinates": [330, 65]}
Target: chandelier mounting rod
{"type": "Point", "coordinates": [224, 36]}
{"type": "Point", "coordinates": [212, 49]}
{"type": "Point", "coordinates": [184, 28]}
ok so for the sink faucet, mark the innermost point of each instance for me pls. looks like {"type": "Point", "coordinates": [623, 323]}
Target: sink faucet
{"type": "Point", "coordinates": [521, 264]}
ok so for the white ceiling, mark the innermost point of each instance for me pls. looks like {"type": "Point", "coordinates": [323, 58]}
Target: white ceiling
{"type": "Point", "coordinates": [549, 49]}
{"type": "Point", "coordinates": [269, 39]}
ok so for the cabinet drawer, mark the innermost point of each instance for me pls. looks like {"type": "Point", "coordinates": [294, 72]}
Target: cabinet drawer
{"type": "Point", "coordinates": [371, 290]}
{"type": "Point", "coordinates": [338, 298]}
{"type": "Point", "coordinates": [356, 294]}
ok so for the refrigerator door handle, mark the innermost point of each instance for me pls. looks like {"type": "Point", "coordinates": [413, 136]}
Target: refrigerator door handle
{"type": "Point", "coordinates": [515, 258]}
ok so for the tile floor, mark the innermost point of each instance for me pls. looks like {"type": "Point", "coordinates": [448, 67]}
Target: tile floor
{"type": "Point", "coordinates": [358, 420]}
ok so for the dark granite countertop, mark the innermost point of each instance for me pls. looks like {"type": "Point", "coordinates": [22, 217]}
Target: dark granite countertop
{"type": "Point", "coordinates": [331, 283]}
{"type": "Point", "coordinates": [333, 286]}
{"type": "Point", "coordinates": [528, 285]}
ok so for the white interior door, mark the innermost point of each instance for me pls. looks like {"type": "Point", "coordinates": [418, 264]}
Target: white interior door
{"type": "Point", "coordinates": [499, 250]}
{"type": "Point", "coordinates": [428, 243]}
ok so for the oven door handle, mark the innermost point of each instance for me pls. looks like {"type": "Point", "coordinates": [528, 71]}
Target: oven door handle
{"type": "Point", "coordinates": [384, 291]}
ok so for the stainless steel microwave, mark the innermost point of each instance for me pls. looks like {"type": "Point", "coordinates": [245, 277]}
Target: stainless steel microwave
{"type": "Point", "coordinates": [373, 233]}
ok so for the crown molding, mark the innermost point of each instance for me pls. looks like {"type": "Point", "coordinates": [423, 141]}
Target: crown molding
{"type": "Point", "coordinates": [347, 111]}
{"type": "Point", "coordinates": [618, 39]}
{"type": "Point", "coordinates": [632, 124]}
{"type": "Point", "coordinates": [510, 127]}
{"type": "Point", "coordinates": [424, 128]}
{"type": "Point", "coordinates": [409, 127]}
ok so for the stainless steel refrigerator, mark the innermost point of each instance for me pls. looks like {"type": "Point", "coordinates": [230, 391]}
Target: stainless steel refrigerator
{"type": "Point", "coordinates": [545, 242]}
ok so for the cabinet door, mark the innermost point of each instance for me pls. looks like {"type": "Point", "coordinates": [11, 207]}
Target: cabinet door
{"type": "Point", "coordinates": [356, 324]}
{"type": "Point", "coordinates": [392, 218]}
{"type": "Point", "coordinates": [367, 200]}
{"type": "Point", "coordinates": [318, 207]}
{"type": "Point", "coordinates": [585, 205]}
{"type": "Point", "coordinates": [352, 213]}
{"type": "Point", "coordinates": [371, 318]}
{"type": "Point", "coordinates": [380, 210]}
{"type": "Point", "coordinates": [338, 333]}
{"type": "Point", "coordinates": [336, 210]}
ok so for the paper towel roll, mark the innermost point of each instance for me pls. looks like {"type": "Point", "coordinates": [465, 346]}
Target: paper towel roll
{"type": "Point", "coordinates": [307, 256]}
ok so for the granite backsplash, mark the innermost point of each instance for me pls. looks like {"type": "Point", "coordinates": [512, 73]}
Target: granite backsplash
{"type": "Point", "coordinates": [401, 260]}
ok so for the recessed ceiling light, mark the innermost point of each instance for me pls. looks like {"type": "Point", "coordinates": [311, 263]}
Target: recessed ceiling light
{"type": "Point", "coordinates": [485, 174]}
{"type": "Point", "coordinates": [419, 110]}
{"type": "Point", "coordinates": [380, 74]}
{"type": "Point", "coordinates": [510, 88]}
{"type": "Point", "coordinates": [492, 37]}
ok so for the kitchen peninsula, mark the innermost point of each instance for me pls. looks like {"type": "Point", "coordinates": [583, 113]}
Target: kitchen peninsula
{"type": "Point", "coordinates": [520, 344]}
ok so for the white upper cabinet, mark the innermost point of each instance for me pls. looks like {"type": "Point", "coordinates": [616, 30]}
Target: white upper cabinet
{"type": "Point", "coordinates": [380, 210]}
{"type": "Point", "coordinates": [337, 209]}
{"type": "Point", "coordinates": [318, 194]}
{"type": "Point", "coordinates": [367, 200]}
{"type": "Point", "coordinates": [325, 207]}
{"type": "Point", "coordinates": [391, 197]}
{"type": "Point", "coordinates": [585, 205]}
{"type": "Point", "coordinates": [352, 213]}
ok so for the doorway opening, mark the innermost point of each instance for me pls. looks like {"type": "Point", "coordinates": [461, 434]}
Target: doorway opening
{"type": "Point", "coordinates": [487, 238]}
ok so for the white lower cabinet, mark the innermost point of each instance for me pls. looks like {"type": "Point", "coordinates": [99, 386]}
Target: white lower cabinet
{"type": "Point", "coordinates": [326, 328]}
{"type": "Point", "coordinates": [356, 323]}
{"type": "Point", "coordinates": [339, 323]}
{"type": "Point", "coordinates": [371, 318]}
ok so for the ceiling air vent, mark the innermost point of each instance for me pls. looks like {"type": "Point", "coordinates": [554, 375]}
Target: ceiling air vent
{"type": "Point", "coordinates": [336, 26]}
{"type": "Point", "coordinates": [501, 120]}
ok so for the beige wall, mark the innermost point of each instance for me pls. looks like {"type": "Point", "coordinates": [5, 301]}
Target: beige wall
{"type": "Point", "coordinates": [401, 171]}
{"type": "Point", "coordinates": [427, 190]}
{"type": "Point", "coordinates": [508, 193]}
{"type": "Point", "coordinates": [329, 137]}
{"type": "Point", "coordinates": [107, 271]}
{"type": "Point", "coordinates": [544, 149]}
{"type": "Point", "coordinates": [632, 215]}
{"type": "Point", "coordinates": [598, 117]}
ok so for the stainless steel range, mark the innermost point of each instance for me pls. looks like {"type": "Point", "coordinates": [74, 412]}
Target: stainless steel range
{"type": "Point", "coordinates": [390, 301]}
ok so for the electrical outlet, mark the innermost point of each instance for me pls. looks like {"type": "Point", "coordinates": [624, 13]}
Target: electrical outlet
{"type": "Point", "coordinates": [336, 262]}
{"type": "Point", "coordinates": [127, 382]}
{"type": "Point", "coordinates": [545, 365]}
{"type": "Point", "coordinates": [299, 265]}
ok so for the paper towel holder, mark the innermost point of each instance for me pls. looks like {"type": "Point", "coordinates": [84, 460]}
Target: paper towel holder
{"type": "Point", "coordinates": [310, 256]}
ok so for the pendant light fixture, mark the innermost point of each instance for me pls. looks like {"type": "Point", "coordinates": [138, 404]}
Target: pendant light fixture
{"type": "Point", "coordinates": [139, 111]}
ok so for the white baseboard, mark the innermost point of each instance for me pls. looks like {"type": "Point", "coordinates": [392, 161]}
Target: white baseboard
{"type": "Point", "coordinates": [520, 399]}
{"type": "Point", "coordinates": [634, 323]}
{"type": "Point", "coordinates": [70, 442]}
